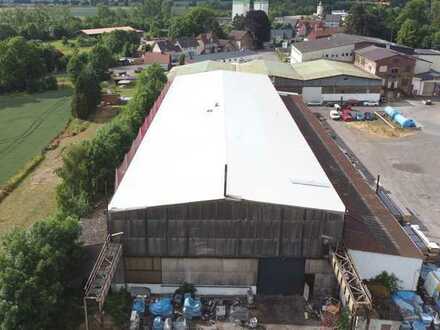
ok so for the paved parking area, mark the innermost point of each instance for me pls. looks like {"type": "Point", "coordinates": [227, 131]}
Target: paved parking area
{"type": "Point", "coordinates": [409, 166]}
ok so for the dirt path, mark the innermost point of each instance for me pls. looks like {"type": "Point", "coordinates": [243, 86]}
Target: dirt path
{"type": "Point", "coordinates": [35, 199]}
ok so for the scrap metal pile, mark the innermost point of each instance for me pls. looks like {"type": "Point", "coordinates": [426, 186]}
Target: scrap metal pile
{"type": "Point", "coordinates": [182, 309]}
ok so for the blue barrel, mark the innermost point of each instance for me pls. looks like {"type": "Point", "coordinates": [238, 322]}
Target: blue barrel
{"type": "Point", "coordinates": [403, 121]}
{"type": "Point", "coordinates": [391, 112]}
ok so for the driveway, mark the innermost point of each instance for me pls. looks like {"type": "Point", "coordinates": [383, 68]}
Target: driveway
{"type": "Point", "coordinates": [409, 166]}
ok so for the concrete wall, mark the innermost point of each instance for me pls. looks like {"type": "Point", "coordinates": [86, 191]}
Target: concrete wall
{"type": "Point", "coordinates": [422, 66]}
{"type": "Point", "coordinates": [435, 59]}
{"type": "Point", "coordinates": [373, 97]}
{"type": "Point", "coordinates": [344, 54]}
{"type": "Point", "coordinates": [376, 324]}
{"type": "Point", "coordinates": [324, 283]}
{"type": "Point", "coordinates": [369, 265]}
{"type": "Point", "coordinates": [210, 271]}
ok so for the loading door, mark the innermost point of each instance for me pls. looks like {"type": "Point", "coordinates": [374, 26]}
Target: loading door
{"type": "Point", "coordinates": [280, 276]}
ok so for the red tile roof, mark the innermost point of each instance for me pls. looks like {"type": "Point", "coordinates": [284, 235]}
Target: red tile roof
{"type": "Point", "coordinates": [159, 58]}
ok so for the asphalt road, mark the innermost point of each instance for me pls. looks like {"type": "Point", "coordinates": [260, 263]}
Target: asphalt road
{"type": "Point", "coordinates": [409, 166]}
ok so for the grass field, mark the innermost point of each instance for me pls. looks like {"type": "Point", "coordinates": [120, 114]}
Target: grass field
{"type": "Point", "coordinates": [66, 50]}
{"type": "Point", "coordinates": [89, 11]}
{"type": "Point", "coordinates": [35, 198]}
{"type": "Point", "coordinates": [28, 122]}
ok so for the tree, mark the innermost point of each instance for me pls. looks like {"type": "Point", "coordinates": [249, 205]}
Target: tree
{"type": "Point", "coordinates": [116, 40]}
{"type": "Point", "coordinates": [36, 267]}
{"type": "Point", "coordinates": [100, 58]}
{"type": "Point", "coordinates": [238, 23]}
{"type": "Point", "coordinates": [370, 20]}
{"type": "Point", "coordinates": [89, 167]}
{"type": "Point", "coordinates": [197, 20]}
{"type": "Point", "coordinates": [436, 40]}
{"type": "Point", "coordinates": [24, 65]}
{"type": "Point", "coordinates": [6, 32]}
{"type": "Point", "coordinates": [409, 33]}
{"type": "Point", "coordinates": [76, 65]}
{"type": "Point", "coordinates": [87, 93]}
{"type": "Point", "coordinates": [258, 24]}
{"type": "Point", "coordinates": [416, 10]}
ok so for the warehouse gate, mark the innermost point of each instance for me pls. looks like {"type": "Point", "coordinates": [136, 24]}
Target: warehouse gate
{"type": "Point", "coordinates": [280, 276]}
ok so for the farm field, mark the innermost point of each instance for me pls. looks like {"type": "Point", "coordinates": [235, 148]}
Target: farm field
{"type": "Point", "coordinates": [88, 11]}
{"type": "Point", "coordinates": [35, 198]}
{"type": "Point", "coordinates": [28, 122]}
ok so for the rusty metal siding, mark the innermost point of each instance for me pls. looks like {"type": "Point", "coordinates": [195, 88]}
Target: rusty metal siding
{"type": "Point", "coordinates": [226, 229]}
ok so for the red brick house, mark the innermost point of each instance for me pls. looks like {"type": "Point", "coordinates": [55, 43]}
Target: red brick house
{"type": "Point", "coordinates": [396, 69]}
{"type": "Point", "coordinates": [164, 60]}
{"type": "Point", "coordinates": [242, 39]}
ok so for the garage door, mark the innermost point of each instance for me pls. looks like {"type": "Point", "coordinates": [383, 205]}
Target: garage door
{"type": "Point", "coordinates": [280, 276]}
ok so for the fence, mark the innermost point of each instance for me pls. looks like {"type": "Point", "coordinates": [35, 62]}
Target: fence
{"type": "Point", "coordinates": [120, 171]}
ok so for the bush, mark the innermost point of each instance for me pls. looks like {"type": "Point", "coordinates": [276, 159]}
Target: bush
{"type": "Point", "coordinates": [50, 83]}
{"type": "Point", "coordinates": [89, 167]}
{"type": "Point", "coordinates": [389, 281]}
{"type": "Point", "coordinates": [118, 305]}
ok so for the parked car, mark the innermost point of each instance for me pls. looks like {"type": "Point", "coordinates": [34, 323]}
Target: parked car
{"type": "Point", "coordinates": [331, 104]}
{"type": "Point", "coordinates": [353, 115]}
{"type": "Point", "coordinates": [346, 116]}
{"type": "Point", "coordinates": [139, 69]}
{"type": "Point", "coordinates": [371, 104]}
{"type": "Point", "coordinates": [335, 115]}
{"type": "Point", "coordinates": [369, 116]}
{"type": "Point", "coordinates": [427, 102]}
{"type": "Point", "coordinates": [360, 116]}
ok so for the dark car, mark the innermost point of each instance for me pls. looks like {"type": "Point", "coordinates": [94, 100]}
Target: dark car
{"type": "Point", "coordinates": [369, 116]}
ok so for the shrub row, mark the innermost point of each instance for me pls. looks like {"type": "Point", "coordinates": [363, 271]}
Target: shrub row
{"type": "Point", "coordinates": [89, 167]}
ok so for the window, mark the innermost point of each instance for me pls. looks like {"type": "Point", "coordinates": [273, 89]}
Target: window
{"type": "Point", "coordinates": [383, 68]}
{"type": "Point", "coordinates": [395, 70]}
{"type": "Point", "coordinates": [346, 54]}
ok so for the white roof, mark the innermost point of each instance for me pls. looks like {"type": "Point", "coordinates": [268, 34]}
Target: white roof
{"type": "Point", "coordinates": [215, 118]}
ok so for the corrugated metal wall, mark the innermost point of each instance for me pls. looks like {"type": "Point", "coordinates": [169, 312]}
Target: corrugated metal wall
{"type": "Point", "coordinates": [225, 229]}
{"type": "Point", "coordinates": [210, 271]}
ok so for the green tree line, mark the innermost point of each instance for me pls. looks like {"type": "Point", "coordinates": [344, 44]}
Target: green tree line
{"type": "Point", "coordinates": [28, 65]}
{"type": "Point", "coordinates": [416, 24]}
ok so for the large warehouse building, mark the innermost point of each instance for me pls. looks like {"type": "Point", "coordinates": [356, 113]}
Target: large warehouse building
{"type": "Point", "coordinates": [317, 81]}
{"type": "Point", "coordinates": [225, 192]}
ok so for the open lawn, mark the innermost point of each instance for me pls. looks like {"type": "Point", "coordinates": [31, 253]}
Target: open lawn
{"type": "Point", "coordinates": [28, 122]}
{"type": "Point", "coordinates": [68, 50]}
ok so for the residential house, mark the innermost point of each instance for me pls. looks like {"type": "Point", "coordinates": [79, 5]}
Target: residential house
{"type": "Point", "coordinates": [395, 69]}
{"type": "Point", "coordinates": [279, 35]}
{"type": "Point", "coordinates": [320, 32]}
{"type": "Point", "coordinates": [427, 83]}
{"type": "Point", "coordinates": [188, 45]}
{"type": "Point", "coordinates": [164, 60]}
{"type": "Point", "coordinates": [208, 43]}
{"type": "Point", "coordinates": [242, 39]}
{"type": "Point", "coordinates": [339, 47]}
{"type": "Point", "coordinates": [165, 46]}
{"type": "Point", "coordinates": [226, 45]}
